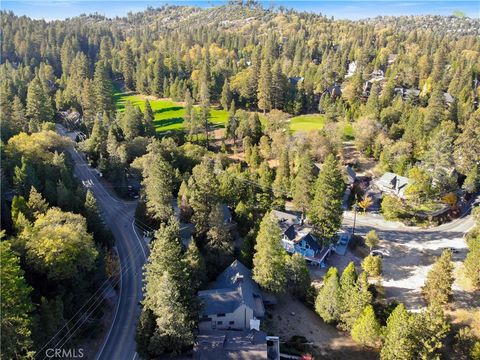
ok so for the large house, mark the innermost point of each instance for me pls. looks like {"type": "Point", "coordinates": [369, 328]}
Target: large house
{"type": "Point", "coordinates": [234, 303]}
{"type": "Point", "coordinates": [393, 184]}
{"type": "Point", "coordinates": [297, 238]}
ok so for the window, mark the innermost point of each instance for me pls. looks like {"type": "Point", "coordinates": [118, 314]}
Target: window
{"type": "Point", "coordinates": [220, 322]}
{"type": "Point", "coordinates": [220, 315]}
{"type": "Point", "coordinates": [231, 322]}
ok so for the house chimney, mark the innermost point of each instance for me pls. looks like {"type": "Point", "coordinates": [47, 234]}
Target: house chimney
{"type": "Point", "coordinates": [238, 279]}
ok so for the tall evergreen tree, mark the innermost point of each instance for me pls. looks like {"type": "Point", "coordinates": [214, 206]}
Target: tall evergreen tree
{"type": "Point", "coordinates": [328, 302]}
{"type": "Point", "coordinates": [438, 286]}
{"type": "Point", "coordinates": [281, 184]}
{"type": "Point", "coordinates": [16, 307]}
{"type": "Point", "coordinates": [303, 183]}
{"type": "Point", "coordinates": [264, 92]}
{"type": "Point", "coordinates": [398, 343]}
{"type": "Point", "coordinates": [226, 99]}
{"type": "Point", "coordinates": [102, 86]}
{"type": "Point", "coordinates": [366, 329]}
{"type": "Point", "coordinates": [326, 208]}
{"type": "Point", "coordinates": [203, 194]}
{"type": "Point", "coordinates": [148, 117]}
{"type": "Point", "coordinates": [158, 184]}
{"type": "Point", "coordinates": [219, 247]}
{"type": "Point", "coordinates": [39, 106]}
{"type": "Point", "coordinates": [269, 261]}
{"type": "Point", "coordinates": [128, 67]}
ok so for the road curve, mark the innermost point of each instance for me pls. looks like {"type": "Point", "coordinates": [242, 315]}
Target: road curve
{"type": "Point", "coordinates": [119, 343]}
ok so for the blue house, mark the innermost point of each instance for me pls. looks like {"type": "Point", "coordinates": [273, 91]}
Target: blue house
{"type": "Point", "coordinates": [297, 238]}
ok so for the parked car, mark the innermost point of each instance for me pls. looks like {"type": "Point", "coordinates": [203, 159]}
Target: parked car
{"type": "Point", "coordinates": [376, 253]}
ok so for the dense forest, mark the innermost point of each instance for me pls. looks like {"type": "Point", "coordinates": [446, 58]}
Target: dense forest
{"type": "Point", "coordinates": [408, 86]}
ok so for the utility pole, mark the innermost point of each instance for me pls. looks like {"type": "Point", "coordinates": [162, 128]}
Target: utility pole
{"type": "Point", "coordinates": [355, 207]}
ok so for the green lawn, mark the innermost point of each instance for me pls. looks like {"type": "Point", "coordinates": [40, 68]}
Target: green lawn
{"type": "Point", "coordinates": [307, 122]}
{"type": "Point", "coordinates": [168, 114]}
{"type": "Point", "coordinates": [316, 122]}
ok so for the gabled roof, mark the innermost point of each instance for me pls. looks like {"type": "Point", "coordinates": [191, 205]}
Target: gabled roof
{"type": "Point", "coordinates": [290, 232]}
{"type": "Point", "coordinates": [233, 287]}
{"type": "Point", "coordinates": [311, 241]}
{"type": "Point", "coordinates": [285, 216]}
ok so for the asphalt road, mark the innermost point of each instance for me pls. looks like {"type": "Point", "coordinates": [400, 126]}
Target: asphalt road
{"type": "Point", "coordinates": [411, 251]}
{"type": "Point", "coordinates": [118, 215]}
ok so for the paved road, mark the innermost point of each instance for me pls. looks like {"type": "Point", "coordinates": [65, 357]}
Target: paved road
{"type": "Point", "coordinates": [410, 252]}
{"type": "Point", "coordinates": [118, 214]}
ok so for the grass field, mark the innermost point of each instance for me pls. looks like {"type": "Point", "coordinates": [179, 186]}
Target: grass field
{"type": "Point", "coordinates": [169, 115]}
{"type": "Point", "coordinates": [316, 122]}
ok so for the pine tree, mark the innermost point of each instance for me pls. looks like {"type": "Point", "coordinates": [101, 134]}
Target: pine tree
{"type": "Point", "coordinates": [128, 67]}
{"type": "Point", "coordinates": [232, 123]}
{"type": "Point", "coordinates": [467, 144]}
{"type": "Point", "coordinates": [366, 329]}
{"type": "Point", "coordinates": [19, 120]}
{"type": "Point", "coordinates": [438, 160]}
{"type": "Point", "coordinates": [25, 177]}
{"type": "Point", "coordinates": [298, 275]}
{"type": "Point", "coordinates": [281, 184]}
{"type": "Point", "coordinates": [39, 107]}
{"type": "Point", "coordinates": [269, 262]}
{"type": "Point", "coordinates": [36, 204]}
{"type": "Point", "coordinates": [102, 86]}
{"type": "Point", "coordinates": [148, 118]}
{"type": "Point", "coordinates": [431, 328]}
{"type": "Point", "coordinates": [328, 302]}
{"type": "Point", "coordinates": [203, 194]}
{"type": "Point", "coordinates": [354, 298]}
{"type": "Point", "coordinates": [372, 239]}
{"type": "Point", "coordinates": [168, 294]}
{"type": "Point", "coordinates": [326, 208]}
{"type": "Point", "coordinates": [158, 184]}
{"type": "Point", "coordinates": [205, 109]}
{"type": "Point", "coordinates": [159, 77]}
{"type": "Point", "coordinates": [195, 265]}
{"type": "Point", "coordinates": [279, 86]}
{"type": "Point", "coordinates": [398, 343]}
{"type": "Point", "coordinates": [438, 286]}
{"type": "Point", "coordinates": [219, 247]}
{"type": "Point", "coordinates": [16, 306]}
{"type": "Point", "coordinates": [264, 94]}
{"type": "Point", "coordinates": [303, 183]}
{"type": "Point", "coordinates": [226, 99]}
{"type": "Point", "coordinates": [191, 118]}
{"type": "Point", "coordinates": [372, 265]}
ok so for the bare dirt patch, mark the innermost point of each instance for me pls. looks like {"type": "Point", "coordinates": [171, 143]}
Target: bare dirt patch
{"type": "Point", "coordinates": [290, 317]}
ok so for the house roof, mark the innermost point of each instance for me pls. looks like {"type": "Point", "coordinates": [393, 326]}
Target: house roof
{"type": "Point", "coordinates": [233, 287]}
{"type": "Point", "coordinates": [231, 345]}
{"type": "Point", "coordinates": [351, 175]}
{"type": "Point", "coordinates": [448, 98]}
{"type": "Point", "coordinates": [285, 216]}
{"type": "Point", "coordinates": [290, 232]}
{"type": "Point", "coordinates": [220, 301]}
{"type": "Point", "coordinates": [311, 241]}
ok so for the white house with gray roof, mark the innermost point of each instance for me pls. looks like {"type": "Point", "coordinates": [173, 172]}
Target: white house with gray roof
{"type": "Point", "coordinates": [234, 300]}
{"type": "Point", "coordinates": [393, 184]}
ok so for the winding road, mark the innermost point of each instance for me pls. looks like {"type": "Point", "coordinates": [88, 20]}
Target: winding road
{"type": "Point", "coordinates": [118, 214]}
